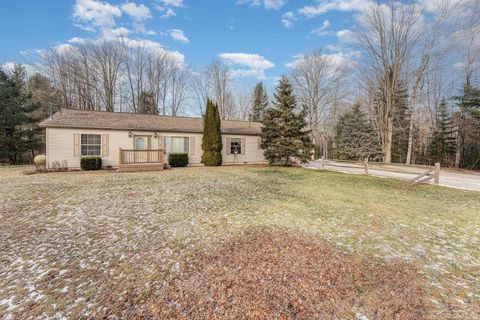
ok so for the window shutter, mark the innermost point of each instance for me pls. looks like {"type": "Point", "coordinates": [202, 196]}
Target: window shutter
{"type": "Point", "coordinates": [229, 146]}
{"type": "Point", "coordinates": [259, 143]}
{"type": "Point", "coordinates": [76, 145]}
{"type": "Point", "coordinates": [160, 142]}
{"type": "Point", "coordinates": [243, 146]}
{"type": "Point", "coordinates": [168, 144]}
{"type": "Point", "coordinates": [105, 145]}
{"type": "Point", "coordinates": [192, 146]}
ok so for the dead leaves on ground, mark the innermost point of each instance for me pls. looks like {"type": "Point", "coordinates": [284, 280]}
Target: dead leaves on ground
{"type": "Point", "coordinates": [279, 275]}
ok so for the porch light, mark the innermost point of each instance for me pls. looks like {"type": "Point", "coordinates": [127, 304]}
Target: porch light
{"type": "Point", "coordinates": [130, 134]}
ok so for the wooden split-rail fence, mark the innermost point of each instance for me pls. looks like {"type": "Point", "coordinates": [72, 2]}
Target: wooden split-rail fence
{"type": "Point", "coordinates": [432, 172]}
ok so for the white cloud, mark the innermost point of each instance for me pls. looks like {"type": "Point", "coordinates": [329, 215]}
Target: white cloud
{"type": "Point", "coordinates": [62, 48]}
{"type": "Point", "coordinates": [139, 14]}
{"type": "Point", "coordinates": [346, 36]}
{"type": "Point", "coordinates": [166, 7]}
{"type": "Point", "coordinates": [92, 14]}
{"type": "Point", "coordinates": [267, 4]}
{"type": "Point", "coordinates": [322, 30]}
{"type": "Point", "coordinates": [177, 57]}
{"type": "Point", "coordinates": [254, 65]}
{"type": "Point", "coordinates": [30, 69]}
{"type": "Point", "coordinates": [115, 33]}
{"type": "Point", "coordinates": [76, 40]}
{"type": "Point", "coordinates": [330, 5]}
{"type": "Point", "coordinates": [288, 19]}
{"type": "Point", "coordinates": [169, 13]}
{"type": "Point", "coordinates": [334, 59]}
{"type": "Point", "coordinates": [178, 35]}
{"type": "Point", "coordinates": [172, 3]}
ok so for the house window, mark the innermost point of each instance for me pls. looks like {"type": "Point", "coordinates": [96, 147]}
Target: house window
{"type": "Point", "coordinates": [235, 145]}
{"type": "Point", "coordinates": [179, 145]}
{"type": "Point", "coordinates": [91, 144]}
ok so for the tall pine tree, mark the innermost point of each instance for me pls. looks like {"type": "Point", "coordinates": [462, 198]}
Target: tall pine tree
{"type": "Point", "coordinates": [467, 120]}
{"type": "Point", "coordinates": [442, 144]}
{"type": "Point", "coordinates": [18, 132]}
{"type": "Point", "coordinates": [284, 134]}
{"type": "Point", "coordinates": [356, 137]}
{"type": "Point", "coordinates": [212, 136]}
{"type": "Point", "coordinates": [260, 102]}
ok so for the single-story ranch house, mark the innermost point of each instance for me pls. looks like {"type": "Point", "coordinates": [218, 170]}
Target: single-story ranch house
{"type": "Point", "coordinates": [136, 141]}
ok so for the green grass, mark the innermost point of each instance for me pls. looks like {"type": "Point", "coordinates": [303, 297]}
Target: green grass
{"type": "Point", "coordinates": [74, 243]}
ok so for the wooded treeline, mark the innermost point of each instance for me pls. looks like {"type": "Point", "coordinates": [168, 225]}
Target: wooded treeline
{"type": "Point", "coordinates": [408, 92]}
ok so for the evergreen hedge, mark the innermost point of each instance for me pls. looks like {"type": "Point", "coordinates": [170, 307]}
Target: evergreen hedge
{"type": "Point", "coordinates": [212, 136]}
{"type": "Point", "coordinates": [91, 163]}
{"type": "Point", "coordinates": [178, 159]}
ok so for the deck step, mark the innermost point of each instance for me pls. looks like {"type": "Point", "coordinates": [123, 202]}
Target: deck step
{"type": "Point", "coordinates": [141, 167]}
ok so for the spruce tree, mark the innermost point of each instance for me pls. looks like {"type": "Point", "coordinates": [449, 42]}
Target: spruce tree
{"type": "Point", "coordinates": [260, 102]}
{"type": "Point", "coordinates": [18, 132]}
{"type": "Point", "coordinates": [442, 145]}
{"type": "Point", "coordinates": [212, 136]}
{"type": "Point", "coordinates": [284, 134]}
{"type": "Point", "coordinates": [356, 138]}
{"type": "Point", "coordinates": [146, 103]}
{"type": "Point", "coordinates": [467, 122]}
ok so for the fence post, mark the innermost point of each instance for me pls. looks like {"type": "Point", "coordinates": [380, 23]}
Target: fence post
{"type": "Point", "coordinates": [323, 162]}
{"type": "Point", "coordinates": [436, 179]}
{"type": "Point", "coordinates": [366, 166]}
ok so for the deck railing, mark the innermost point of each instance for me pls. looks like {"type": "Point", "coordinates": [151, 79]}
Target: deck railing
{"type": "Point", "coordinates": [140, 156]}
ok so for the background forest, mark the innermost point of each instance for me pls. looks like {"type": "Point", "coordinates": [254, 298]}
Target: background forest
{"type": "Point", "coordinates": [396, 100]}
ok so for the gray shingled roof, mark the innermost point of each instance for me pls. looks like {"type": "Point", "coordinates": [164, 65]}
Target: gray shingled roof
{"type": "Point", "coordinates": [68, 118]}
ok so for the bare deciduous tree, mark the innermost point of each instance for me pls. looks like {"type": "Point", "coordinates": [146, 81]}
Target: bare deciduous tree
{"type": "Point", "coordinates": [390, 32]}
{"type": "Point", "coordinates": [316, 78]}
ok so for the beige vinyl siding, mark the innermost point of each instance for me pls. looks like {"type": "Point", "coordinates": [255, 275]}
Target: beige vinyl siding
{"type": "Point", "coordinates": [250, 151]}
{"type": "Point", "coordinates": [61, 146]}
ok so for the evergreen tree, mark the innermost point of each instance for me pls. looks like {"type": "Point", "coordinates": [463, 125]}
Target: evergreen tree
{"type": "Point", "coordinates": [467, 121]}
{"type": "Point", "coordinates": [284, 136]}
{"type": "Point", "coordinates": [146, 103]}
{"type": "Point", "coordinates": [356, 137]}
{"type": "Point", "coordinates": [442, 144]}
{"type": "Point", "coordinates": [18, 132]}
{"type": "Point", "coordinates": [260, 102]}
{"type": "Point", "coordinates": [212, 136]}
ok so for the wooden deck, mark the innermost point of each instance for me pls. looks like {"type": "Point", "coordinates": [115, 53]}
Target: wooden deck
{"type": "Point", "coordinates": [140, 160]}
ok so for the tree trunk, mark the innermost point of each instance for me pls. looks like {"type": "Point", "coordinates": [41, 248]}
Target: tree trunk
{"type": "Point", "coordinates": [388, 143]}
{"type": "Point", "coordinates": [410, 140]}
{"type": "Point", "coordinates": [458, 152]}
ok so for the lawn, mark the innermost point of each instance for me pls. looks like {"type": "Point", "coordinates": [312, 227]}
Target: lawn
{"type": "Point", "coordinates": [78, 244]}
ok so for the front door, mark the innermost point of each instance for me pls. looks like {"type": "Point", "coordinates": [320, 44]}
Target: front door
{"type": "Point", "coordinates": [141, 143]}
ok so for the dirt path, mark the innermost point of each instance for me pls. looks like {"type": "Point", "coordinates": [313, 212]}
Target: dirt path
{"type": "Point", "coordinates": [448, 177]}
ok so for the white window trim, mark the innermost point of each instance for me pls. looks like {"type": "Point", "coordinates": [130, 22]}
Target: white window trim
{"type": "Point", "coordinates": [90, 144]}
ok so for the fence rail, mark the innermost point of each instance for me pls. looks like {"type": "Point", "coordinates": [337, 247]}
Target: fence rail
{"type": "Point", "coordinates": [140, 156]}
{"type": "Point", "coordinates": [432, 172]}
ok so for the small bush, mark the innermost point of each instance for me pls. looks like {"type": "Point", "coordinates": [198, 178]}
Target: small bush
{"type": "Point", "coordinates": [178, 159]}
{"type": "Point", "coordinates": [91, 163]}
{"type": "Point", "coordinates": [59, 166]}
{"type": "Point", "coordinates": [40, 161]}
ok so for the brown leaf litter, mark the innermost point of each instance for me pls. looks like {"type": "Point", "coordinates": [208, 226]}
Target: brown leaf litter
{"type": "Point", "coordinates": [281, 275]}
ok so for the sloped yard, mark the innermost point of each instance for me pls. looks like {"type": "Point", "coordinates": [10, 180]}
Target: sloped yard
{"type": "Point", "coordinates": [95, 244]}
